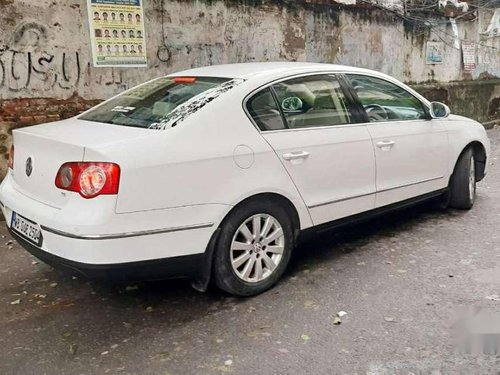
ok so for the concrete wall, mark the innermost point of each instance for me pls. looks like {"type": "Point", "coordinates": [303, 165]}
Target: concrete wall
{"type": "Point", "coordinates": [479, 99]}
{"type": "Point", "coordinates": [45, 45]}
{"type": "Point", "coordinates": [46, 71]}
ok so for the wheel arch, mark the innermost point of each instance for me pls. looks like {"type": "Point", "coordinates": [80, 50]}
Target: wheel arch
{"type": "Point", "coordinates": [480, 156]}
{"type": "Point", "coordinates": [275, 198]}
{"type": "Point", "coordinates": [204, 275]}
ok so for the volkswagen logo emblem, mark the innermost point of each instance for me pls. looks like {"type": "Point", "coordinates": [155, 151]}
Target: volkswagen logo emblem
{"type": "Point", "coordinates": [29, 166]}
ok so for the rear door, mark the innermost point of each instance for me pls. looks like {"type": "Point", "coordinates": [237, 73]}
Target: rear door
{"type": "Point", "coordinates": [310, 124]}
{"type": "Point", "coordinates": [411, 150]}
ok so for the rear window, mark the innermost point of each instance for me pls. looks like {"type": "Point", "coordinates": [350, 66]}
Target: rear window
{"type": "Point", "coordinates": [161, 103]}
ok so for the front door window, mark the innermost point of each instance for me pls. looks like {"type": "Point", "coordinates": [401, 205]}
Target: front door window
{"type": "Point", "coordinates": [385, 101]}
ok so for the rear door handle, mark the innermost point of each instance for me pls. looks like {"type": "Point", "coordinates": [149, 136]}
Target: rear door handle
{"type": "Point", "coordinates": [296, 155]}
{"type": "Point", "coordinates": [385, 144]}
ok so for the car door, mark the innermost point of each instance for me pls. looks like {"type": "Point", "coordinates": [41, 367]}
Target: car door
{"type": "Point", "coordinates": [309, 123]}
{"type": "Point", "coordinates": [411, 150]}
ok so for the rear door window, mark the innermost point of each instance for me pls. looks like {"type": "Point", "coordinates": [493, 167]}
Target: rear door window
{"type": "Point", "coordinates": [160, 103]}
{"type": "Point", "coordinates": [265, 112]}
{"type": "Point", "coordinates": [313, 101]}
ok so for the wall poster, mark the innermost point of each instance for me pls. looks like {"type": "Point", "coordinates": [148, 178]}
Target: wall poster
{"type": "Point", "coordinates": [469, 55]}
{"type": "Point", "coordinates": [434, 53]}
{"type": "Point", "coordinates": [117, 33]}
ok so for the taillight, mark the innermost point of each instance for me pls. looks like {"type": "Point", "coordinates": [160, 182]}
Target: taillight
{"type": "Point", "coordinates": [90, 179]}
{"type": "Point", "coordinates": [11, 157]}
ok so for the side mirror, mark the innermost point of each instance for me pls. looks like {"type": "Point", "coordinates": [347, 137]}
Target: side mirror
{"type": "Point", "coordinates": [439, 110]}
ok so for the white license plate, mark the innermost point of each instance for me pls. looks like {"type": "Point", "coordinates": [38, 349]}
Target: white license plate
{"type": "Point", "coordinates": [26, 229]}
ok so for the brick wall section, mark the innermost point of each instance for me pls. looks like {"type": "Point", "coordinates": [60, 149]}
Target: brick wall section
{"type": "Point", "coordinates": [16, 113]}
{"type": "Point", "coordinates": [30, 111]}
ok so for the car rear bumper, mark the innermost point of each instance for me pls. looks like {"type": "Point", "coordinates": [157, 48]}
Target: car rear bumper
{"type": "Point", "coordinates": [89, 235]}
{"type": "Point", "coordinates": [187, 266]}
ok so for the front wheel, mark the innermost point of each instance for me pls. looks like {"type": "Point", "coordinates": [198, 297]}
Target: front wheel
{"type": "Point", "coordinates": [254, 248]}
{"type": "Point", "coordinates": [463, 182]}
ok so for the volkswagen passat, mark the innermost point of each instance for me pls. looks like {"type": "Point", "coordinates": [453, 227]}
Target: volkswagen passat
{"type": "Point", "coordinates": [212, 173]}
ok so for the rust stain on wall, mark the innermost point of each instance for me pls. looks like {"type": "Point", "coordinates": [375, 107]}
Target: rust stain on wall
{"type": "Point", "coordinates": [294, 38]}
{"type": "Point", "coordinates": [375, 42]}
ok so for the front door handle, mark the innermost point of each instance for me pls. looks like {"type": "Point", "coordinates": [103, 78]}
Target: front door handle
{"type": "Point", "coordinates": [296, 155]}
{"type": "Point", "coordinates": [385, 144]}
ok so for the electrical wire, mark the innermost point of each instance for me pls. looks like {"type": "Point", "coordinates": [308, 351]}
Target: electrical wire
{"type": "Point", "coordinates": [163, 53]}
{"type": "Point", "coordinates": [425, 24]}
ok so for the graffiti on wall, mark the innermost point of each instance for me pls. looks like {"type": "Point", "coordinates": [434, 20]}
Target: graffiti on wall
{"type": "Point", "coordinates": [26, 65]}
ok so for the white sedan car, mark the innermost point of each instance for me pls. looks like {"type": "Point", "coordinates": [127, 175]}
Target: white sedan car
{"type": "Point", "coordinates": [212, 173]}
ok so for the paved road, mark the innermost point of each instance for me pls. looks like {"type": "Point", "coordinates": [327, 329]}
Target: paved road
{"type": "Point", "coordinates": [401, 279]}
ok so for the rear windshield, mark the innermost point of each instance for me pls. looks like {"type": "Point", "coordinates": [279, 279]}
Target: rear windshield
{"type": "Point", "coordinates": [161, 103]}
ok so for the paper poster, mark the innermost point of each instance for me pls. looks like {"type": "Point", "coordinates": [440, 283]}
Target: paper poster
{"type": "Point", "coordinates": [434, 53]}
{"type": "Point", "coordinates": [454, 27]}
{"type": "Point", "coordinates": [117, 32]}
{"type": "Point", "coordinates": [469, 55]}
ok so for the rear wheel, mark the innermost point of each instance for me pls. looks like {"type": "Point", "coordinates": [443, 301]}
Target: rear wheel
{"type": "Point", "coordinates": [254, 248]}
{"type": "Point", "coordinates": [463, 182]}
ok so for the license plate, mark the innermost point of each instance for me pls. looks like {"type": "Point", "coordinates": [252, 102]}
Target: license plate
{"type": "Point", "coordinates": [26, 229]}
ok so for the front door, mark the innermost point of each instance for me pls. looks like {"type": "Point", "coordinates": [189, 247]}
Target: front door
{"type": "Point", "coordinates": [411, 150]}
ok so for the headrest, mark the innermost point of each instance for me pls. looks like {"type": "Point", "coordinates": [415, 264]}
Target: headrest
{"type": "Point", "coordinates": [163, 108]}
{"type": "Point", "coordinates": [301, 91]}
{"type": "Point", "coordinates": [265, 101]}
{"type": "Point", "coordinates": [324, 101]}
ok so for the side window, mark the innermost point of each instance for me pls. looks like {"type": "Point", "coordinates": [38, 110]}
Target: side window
{"type": "Point", "coordinates": [313, 101]}
{"type": "Point", "coordinates": [263, 109]}
{"type": "Point", "coordinates": [385, 101]}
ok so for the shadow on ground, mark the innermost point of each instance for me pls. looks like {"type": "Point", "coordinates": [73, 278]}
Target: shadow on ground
{"type": "Point", "coordinates": [314, 249]}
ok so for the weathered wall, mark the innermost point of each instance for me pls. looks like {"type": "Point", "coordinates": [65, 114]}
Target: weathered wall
{"type": "Point", "coordinates": [45, 55]}
{"type": "Point", "coordinates": [480, 98]}
{"type": "Point", "coordinates": [45, 45]}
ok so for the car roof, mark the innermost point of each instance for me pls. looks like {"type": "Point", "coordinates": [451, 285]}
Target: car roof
{"type": "Point", "coordinates": [257, 74]}
{"type": "Point", "coordinates": [249, 70]}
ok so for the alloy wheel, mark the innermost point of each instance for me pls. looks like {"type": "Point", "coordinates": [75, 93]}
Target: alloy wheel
{"type": "Point", "coordinates": [472, 180]}
{"type": "Point", "coordinates": [257, 248]}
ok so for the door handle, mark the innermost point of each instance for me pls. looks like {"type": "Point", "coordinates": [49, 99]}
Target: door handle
{"type": "Point", "coordinates": [384, 144]}
{"type": "Point", "coordinates": [295, 155]}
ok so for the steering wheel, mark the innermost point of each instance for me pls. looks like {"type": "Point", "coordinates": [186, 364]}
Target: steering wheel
{"type": "Point", "coordinates": [376, 112]}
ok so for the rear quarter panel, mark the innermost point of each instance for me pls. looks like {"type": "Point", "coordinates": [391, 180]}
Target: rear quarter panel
{"type": "Point", "coordinates": [194, 163]}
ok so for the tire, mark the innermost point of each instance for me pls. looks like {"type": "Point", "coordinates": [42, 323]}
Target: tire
{"type": "Point", "coordinates": [463, 182]}
{"type": "Point", "coordinates": [235, 246]}
{"type": "Point", "coordinates": [442, 202]}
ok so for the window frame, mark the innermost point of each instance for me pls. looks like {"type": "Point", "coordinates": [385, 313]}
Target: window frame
{"type": "Point", "coordinates": [351, 103]}
{"type": "Point", "coordinates": [361, 108]}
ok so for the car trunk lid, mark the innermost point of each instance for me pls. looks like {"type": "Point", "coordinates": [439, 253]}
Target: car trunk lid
{"type": "Point", "coordinates": [41, 150]}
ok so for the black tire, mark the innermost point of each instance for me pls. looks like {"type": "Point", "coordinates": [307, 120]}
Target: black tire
{"type": "Point", "coordinates": [462, 187]}
{"type": "Point", "coordinates": [225, 276]}
{"type": "Point", "coordinates": [442, 202]}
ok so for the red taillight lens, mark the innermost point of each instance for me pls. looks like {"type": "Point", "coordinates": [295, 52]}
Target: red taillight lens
{"type": "Point", "coordinates": [11, 157]}
{"type": "Point", "coordinates": [90, 179]}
